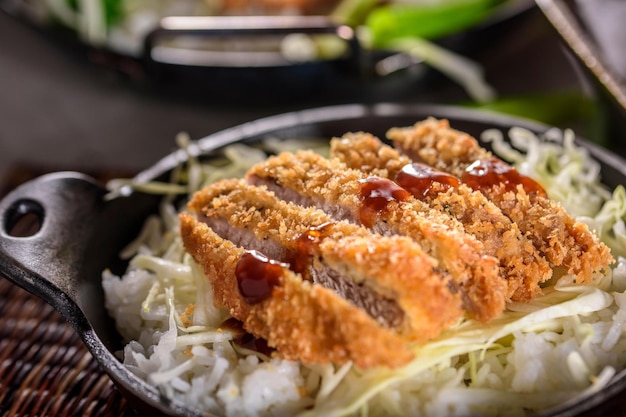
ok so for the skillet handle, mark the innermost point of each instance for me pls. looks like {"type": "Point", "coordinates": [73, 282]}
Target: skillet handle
{"type": "Point", "coordinates": [44, 227]}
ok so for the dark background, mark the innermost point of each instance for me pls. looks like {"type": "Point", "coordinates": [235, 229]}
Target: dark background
{"type": "Point", "coordinates": [61, 110]}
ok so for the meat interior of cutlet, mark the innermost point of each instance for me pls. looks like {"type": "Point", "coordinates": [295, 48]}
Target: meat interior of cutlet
{"type": "Point", "coordinates": [312, 267]}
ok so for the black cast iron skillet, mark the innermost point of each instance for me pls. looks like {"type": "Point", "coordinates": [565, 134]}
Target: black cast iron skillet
{"type": "Point", "coordinates": [57, 234]}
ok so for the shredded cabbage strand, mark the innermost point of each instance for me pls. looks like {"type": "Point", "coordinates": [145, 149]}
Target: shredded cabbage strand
{"type": "Point", "coordinates": [562, 345]}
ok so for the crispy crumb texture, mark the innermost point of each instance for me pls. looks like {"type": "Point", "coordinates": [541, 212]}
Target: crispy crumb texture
{"type": "Point", "coordinates": [364, 282]}
{"type": "Point", "coordinates": [563, 241]}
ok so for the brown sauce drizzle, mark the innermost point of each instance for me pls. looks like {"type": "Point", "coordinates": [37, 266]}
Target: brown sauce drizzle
{"type": "Point", "coordinates": [376, 194]}
{"type": "Point", "coordinates": [304, 247]}
{"type": "Point", "coordinates": [487, 173]}
{"type": "Point", "coordinates": [257, 275]}
{"type": "Point", "coordinates": [244, 339]}
{"type": "Point", "coordinates": [420, 179]}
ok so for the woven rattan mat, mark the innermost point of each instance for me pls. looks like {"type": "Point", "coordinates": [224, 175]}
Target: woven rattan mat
{"type": "Point", "coordinates": [45, 370]}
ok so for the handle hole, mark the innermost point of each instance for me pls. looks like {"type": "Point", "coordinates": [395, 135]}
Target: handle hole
{"type": "Point", "coordinates": [24, 218]}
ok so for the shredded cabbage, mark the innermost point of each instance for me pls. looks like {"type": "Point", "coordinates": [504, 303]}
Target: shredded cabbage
{"type": "Point", "coordinates": [569, 175]}
{"type": "Point", "coordinates": [609, 222]}
{"type": "Point", "coordinates": [563, 345]}
{"type": "Point", "coordinates": [565, 170]}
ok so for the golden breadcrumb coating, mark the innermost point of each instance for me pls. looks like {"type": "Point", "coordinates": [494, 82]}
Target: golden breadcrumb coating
{"type": "Point", "coordinates": [435, 143]}
{"type": "Point", "coordinates": [520, 263]}
{"type": "Point", "coordinates": [330, 185]}
{"type": "Point", "coordinates": [365, 270]}
{"type": "Point", "coordinates": [302, 321]}
{"type": "Point", "coordinates": [393, 267]}
{"type": "Point", "coordinates": [565, 242]}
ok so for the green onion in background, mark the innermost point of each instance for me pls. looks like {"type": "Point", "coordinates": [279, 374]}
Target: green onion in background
{"type": "Point", "coordinates": [112, 10]}
{"type": "Point", "coordinates": [412, 27]}
{"type": "Point", "coordinates": [426, 20]}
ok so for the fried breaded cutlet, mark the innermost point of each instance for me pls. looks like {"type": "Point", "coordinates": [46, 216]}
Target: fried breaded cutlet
{"type": "Point", "coordinates": [520, 263]}
{"type": "Point", "coordinates": [308, 179]}
{"type": "Point", "coordinates": [389, 277]}
{"type": "Point", "coordinates": [303, 321]}
{"type": "Point", "coordinates": [565, 242]}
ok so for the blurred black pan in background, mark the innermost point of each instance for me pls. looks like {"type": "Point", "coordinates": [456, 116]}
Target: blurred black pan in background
{"type": "Point", "coordinates": [594, 31]}
{"type": "Point", "coordinates": [216, 58]}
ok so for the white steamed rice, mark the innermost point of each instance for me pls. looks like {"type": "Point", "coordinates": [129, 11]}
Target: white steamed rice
{"type": "Point", "coordinates": [560, 346]}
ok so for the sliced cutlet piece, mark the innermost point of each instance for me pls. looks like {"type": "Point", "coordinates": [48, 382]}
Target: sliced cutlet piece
{"type": "Point", "coordinates": [520, 262]}
{"type": "Point", "coordinates": [391, 278]}
{"type": "Point", "coordinates": [301, 320]}
{"type": "Point", "coordinates": [308, 179]}
{"type": "Point", "coordinates": [565, 242]}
